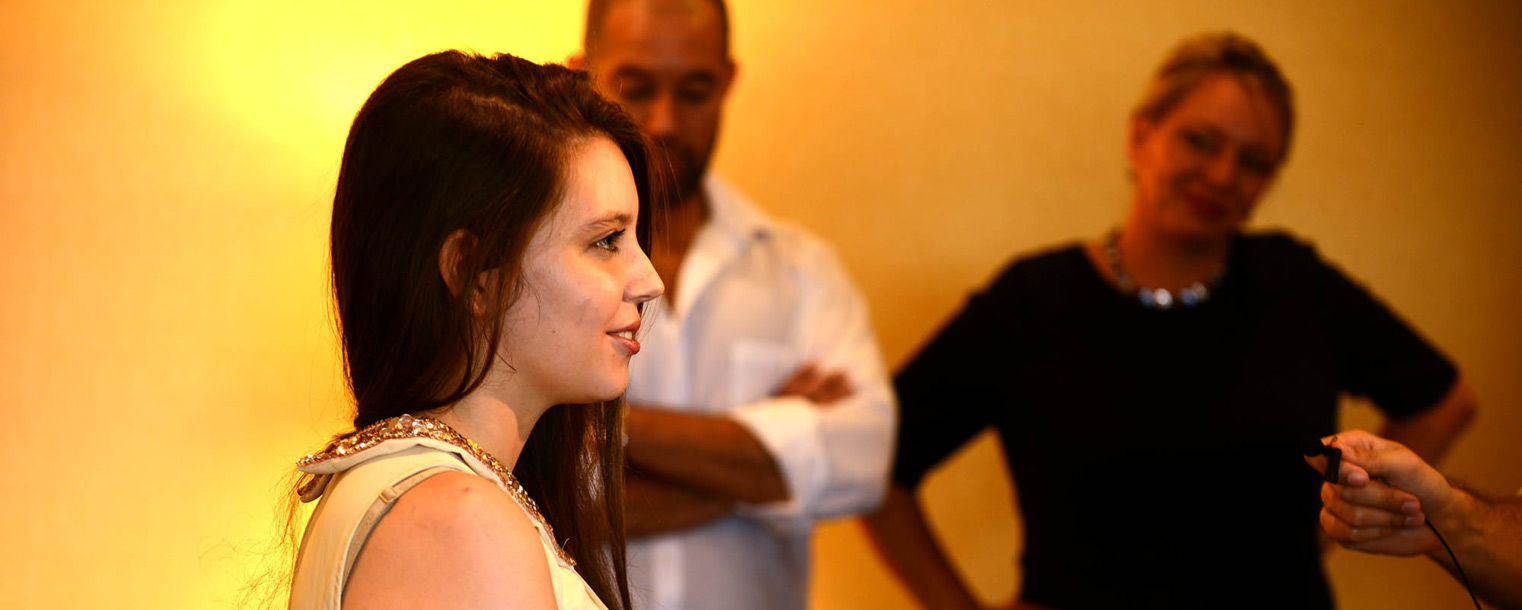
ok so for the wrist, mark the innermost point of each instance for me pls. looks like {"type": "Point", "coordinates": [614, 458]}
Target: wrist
{"type": "Point", "coordinates": [1458, 524]}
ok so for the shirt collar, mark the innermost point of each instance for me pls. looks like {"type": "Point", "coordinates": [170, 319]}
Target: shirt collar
{"type": "Point", "coordinates": [734, 225]}
{"type": "Point", "coordinates": [733, 214]}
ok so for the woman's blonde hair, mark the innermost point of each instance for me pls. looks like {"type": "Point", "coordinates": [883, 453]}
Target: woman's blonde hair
{"type": "Point", "coordinates": [1198, 57]}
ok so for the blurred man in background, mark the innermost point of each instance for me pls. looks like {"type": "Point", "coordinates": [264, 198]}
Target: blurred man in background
{"type": "Point", "coordinates": [759, 403]}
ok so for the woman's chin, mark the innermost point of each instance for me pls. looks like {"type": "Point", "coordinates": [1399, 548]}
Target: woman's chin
{"type": "Point", "coordinates": [612, 392]}
{"type": "Point", "coordinates": [1204, 231]}
{"type": "Point", "coordinates": [599, 384]}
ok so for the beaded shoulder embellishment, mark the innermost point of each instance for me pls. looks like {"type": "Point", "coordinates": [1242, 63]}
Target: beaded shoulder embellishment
{"type": "Point", "coordinates": [406, 427]}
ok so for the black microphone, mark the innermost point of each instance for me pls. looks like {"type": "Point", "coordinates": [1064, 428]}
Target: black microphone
{"type": "Point", "coordinates": [1333, 455]}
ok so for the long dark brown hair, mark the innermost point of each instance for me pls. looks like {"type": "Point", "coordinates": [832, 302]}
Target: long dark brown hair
{"type": "Point", "coordinates": [455, 141]}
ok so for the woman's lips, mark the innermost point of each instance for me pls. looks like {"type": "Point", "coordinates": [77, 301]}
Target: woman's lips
{"type": "Point", "coordinates": [1206, 209]}
{"type": "Point", "coordinates": [626, 341]}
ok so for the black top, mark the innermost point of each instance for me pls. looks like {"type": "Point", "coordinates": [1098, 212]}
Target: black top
{"type": "Point", "coordinates": [1156, 453]}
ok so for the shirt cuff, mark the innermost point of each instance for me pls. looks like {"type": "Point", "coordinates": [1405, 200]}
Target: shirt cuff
{"type": "Point", "coordinates": [789, 428]}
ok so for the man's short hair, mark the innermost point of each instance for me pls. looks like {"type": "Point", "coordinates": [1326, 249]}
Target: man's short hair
{"type": "Point", "coordinates": [597, 12]}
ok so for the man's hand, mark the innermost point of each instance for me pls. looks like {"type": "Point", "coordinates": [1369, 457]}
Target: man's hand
{"type": "Point", "coordinates": [700, 465]}
{"type": "Point", "coordinates": [1385, 491]}
{"type": "Point", "coordinates": [819, 388]}
{"type": "Point", "coordinates": [1383, 497]}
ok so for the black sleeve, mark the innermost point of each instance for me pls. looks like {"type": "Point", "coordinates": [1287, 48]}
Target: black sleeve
{"type": "Point", "coordinates": [947, 392]}
{"type": "Point", "coordinates": [1382, 358]}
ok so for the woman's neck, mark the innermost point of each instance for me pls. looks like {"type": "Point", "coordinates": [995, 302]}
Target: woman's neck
{"type": "Point", "coordinates": [1157, 260]}
{"type": "Point", "coordinates": [488, 419]}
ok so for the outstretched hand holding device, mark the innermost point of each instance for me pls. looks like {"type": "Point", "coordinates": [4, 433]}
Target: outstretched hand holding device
{"type": "Point", "coordinates": [1381, 511]}
{"type": "Point", "coordinates": [1387, 500]}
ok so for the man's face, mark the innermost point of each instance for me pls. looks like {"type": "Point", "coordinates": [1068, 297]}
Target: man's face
{"type": "Point", "coordinates": [664, 61]}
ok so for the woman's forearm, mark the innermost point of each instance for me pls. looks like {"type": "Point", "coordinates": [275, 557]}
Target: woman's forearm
{"type": "Point", "coordinates": [903, 539]}
{"type": "Point", "coordinates": [1431, 432]}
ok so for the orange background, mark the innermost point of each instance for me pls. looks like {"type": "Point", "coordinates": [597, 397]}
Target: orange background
{"type": "Point", "coordinates": [166, 167]}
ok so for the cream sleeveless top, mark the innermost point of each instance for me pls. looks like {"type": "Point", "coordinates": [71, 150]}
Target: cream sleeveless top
{"type": "Point", "coordinates": [361, 476]}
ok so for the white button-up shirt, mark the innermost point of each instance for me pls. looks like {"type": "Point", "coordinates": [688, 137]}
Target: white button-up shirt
{"type": "Point", "coordinates": [760, 299]}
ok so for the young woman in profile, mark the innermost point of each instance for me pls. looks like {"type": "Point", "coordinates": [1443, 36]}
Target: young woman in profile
{"type": "Point", "coordinates": [488, 251]}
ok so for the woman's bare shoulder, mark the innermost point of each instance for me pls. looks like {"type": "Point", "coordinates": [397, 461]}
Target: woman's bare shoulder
{"type": "Point", "coordinates": [453, 541]}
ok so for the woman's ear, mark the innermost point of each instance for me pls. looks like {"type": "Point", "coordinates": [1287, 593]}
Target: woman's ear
{"type": "Point", "coordinates": [457, 246]}
{"type": "Point", "coordinates": [1137, 130]}
{"type": "Point", "coordinates": [459, 243]}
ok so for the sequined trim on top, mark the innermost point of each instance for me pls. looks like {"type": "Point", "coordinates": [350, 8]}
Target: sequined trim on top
{"type": "Point", "coordinates": [408, 427]}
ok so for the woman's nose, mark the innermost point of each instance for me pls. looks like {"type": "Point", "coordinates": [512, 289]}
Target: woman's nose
{"type": "Point", "coordinates": [1222, 169]}
{"type": "Point", "coordinates": [645, 284]}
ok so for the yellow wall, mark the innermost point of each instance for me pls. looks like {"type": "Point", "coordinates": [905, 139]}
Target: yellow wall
{"type": "Point", "coordinates": [166, 169]}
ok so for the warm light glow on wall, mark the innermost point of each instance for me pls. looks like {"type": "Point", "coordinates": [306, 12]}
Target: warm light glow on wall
{"type": "Point", "coordinates": [296, 72]}
{"type": "Point", "coordinates": [166, 171]}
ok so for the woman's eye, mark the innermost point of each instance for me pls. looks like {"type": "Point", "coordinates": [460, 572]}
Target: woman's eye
{"type": "Point", "coordinates": [1257, 165]}
{"type": "Point", "coordinates": [1199, 141]}
{"type": "Point", "coordinates": [610, 242]}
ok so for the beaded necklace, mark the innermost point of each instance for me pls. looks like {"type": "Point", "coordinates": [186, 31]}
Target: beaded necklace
{"type": "Point", "coordinates": [410, 427]}
{"type": "Point", "coordinates": [1192, 295]}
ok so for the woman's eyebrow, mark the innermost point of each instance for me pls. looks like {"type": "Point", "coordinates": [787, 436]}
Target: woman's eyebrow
{"type": "Point", "coordinates": [611, 221]}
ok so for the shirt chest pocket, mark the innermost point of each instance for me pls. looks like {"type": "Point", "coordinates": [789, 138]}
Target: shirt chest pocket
{"type": "Point", "coordinates": [757, 369]}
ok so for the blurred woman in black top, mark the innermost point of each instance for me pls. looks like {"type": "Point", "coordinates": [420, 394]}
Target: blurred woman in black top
{"type": "Point", "coordinates": [1169, 365]}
